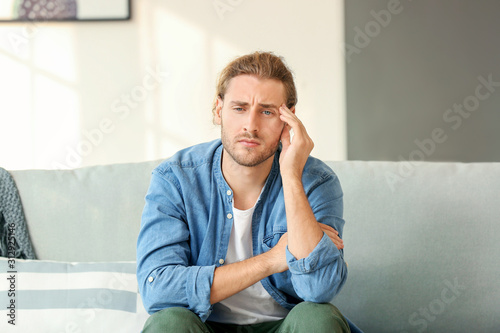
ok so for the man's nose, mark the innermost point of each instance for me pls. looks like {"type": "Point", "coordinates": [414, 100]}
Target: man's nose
{"type": "Point", "coordinates": [252, 121]}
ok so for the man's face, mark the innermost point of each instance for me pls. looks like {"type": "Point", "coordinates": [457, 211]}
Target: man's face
{"type": "Point", "coordinates": [250, 119]}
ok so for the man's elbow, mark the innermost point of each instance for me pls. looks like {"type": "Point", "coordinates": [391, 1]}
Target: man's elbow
{"type": "Point", "coordinates": [154, 298]}
{"type": "Point", "coordinates": [151, 301]}
{"type": "Point", "coordinates": [325, 291]}
{"type": "Point", "coordinates": [321, 295]}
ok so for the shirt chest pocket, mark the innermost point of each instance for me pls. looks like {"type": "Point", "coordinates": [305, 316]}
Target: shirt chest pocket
{"type": "Point", "coordinates": [272, 238]}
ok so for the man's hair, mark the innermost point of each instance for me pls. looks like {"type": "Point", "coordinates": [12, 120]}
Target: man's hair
{"type": "Point", "coordinates": [264, 65]}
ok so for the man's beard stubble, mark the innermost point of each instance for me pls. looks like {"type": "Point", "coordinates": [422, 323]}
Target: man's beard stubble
{"type": "Point", "coordinates": [247, 160]}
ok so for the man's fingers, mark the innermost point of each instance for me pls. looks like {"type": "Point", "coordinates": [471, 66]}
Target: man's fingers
{"type": "Point", "coordinates": [334, 235]}
{"type": "Point", "coordinates": [299, 141]}
{"type": "Point", "coordinates": [327, 227]}
{"type": "Point", "coordinates": [339, 243]}
{"type": "Point", "coordinates": [288, 116]}
{"type": "Point", "coordinates": [285, 135]}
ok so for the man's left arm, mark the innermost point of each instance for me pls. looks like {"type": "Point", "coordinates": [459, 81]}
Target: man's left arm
{"type": "Point", "coordinates": [315, 255]}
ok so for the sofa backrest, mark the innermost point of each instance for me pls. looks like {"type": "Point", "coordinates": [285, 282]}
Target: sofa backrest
{"type": "Point", "coordinates": [87, 214]}
{"type": "Point", "coordinates": [423, 246]}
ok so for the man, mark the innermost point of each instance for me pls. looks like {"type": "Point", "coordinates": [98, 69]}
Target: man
{"type": "Point", "coordinates": [243, 234]}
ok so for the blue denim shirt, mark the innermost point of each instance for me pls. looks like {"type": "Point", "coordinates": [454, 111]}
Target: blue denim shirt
{"type": "Point", "coordinates": [187, 221]}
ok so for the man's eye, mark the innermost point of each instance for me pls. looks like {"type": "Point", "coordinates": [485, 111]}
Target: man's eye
{"type": "Point", "coordinates": [238, 109]}
{"type": "Point", "coordinates": [267, 113]}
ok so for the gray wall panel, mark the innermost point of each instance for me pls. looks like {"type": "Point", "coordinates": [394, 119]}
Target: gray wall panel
{"type": "Point", "coordinates": [405, 71]}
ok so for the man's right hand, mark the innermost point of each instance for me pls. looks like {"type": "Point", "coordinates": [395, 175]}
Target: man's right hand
{"type": "Point", "coordinates": [278, 254]}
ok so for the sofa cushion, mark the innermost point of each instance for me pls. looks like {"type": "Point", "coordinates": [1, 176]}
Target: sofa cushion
{"type": "Point", "coordinates": [51, 296]}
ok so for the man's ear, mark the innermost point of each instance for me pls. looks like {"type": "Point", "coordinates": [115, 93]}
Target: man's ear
{"type": "Point", "coordinates": [218, 111]}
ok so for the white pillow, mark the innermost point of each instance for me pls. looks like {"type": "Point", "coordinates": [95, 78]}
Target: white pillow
{"type": "Point", "coordinates": [63, 297]}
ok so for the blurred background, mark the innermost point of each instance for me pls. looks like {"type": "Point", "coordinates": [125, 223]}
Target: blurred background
{"type": "Point", "coordinates": [377, 80]}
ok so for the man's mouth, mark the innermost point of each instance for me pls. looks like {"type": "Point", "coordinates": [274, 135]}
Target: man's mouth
{"type": "Point", "coordinates": [249, 143]}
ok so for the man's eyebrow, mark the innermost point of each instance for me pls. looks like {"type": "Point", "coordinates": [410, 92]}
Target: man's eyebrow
{"type": "Point", "coordinates": [268, 106]}
{"type": "Point", "coordinates": [263, 105]}
{"type": "Point", "coordinates": [239, 103]}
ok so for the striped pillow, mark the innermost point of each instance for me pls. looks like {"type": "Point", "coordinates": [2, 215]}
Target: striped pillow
{"type": "Point", "coordinates": [51, 296]}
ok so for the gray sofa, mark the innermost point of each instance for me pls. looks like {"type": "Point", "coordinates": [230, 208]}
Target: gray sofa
{"type": "Point", "coordinates": [421, 240]}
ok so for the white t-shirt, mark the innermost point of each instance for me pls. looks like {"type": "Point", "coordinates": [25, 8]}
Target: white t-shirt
{"type": "Point", "coordinates": [254, 304]}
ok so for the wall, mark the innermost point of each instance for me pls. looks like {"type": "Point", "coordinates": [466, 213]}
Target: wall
{"type": "Point", "coordinates": [417, 80]}
{"type": "Point", "coordinates": [79, 94]}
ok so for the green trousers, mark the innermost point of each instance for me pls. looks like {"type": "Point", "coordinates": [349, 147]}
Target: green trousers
{"type": "Point", "coordinates": [306, 317]}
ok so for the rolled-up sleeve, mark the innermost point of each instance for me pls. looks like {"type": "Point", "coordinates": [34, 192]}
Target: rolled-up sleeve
{"type": "Point", "coordinates": [320, 276]}
{"type": "Point", "coordinates": [164, 274]}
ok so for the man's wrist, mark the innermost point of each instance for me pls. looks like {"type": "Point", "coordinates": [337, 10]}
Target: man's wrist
{"type": "Point", "coordinates": [292, 183]}
{"type": "Point", "coordinates": [292, 177]}
{"type": "Point", "coordinates": [268, 262]}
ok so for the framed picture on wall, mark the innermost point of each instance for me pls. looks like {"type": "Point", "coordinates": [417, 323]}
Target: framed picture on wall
{"type": "Point", "coordinates": [64, 10]}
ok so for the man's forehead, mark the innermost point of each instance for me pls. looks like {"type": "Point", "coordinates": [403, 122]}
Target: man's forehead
{"type": "Point", "coordinates": [244, 87]}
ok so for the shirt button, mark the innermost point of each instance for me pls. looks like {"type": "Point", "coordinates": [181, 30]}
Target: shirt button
{"type": "Point", "coordinates": [229, 216]}
{"type": "Point", "coordinates": [150, 279]}
{"type": "Point", "coordinates": [221, 261]}
{"type": "Point", "coordinates": [228, 192]}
